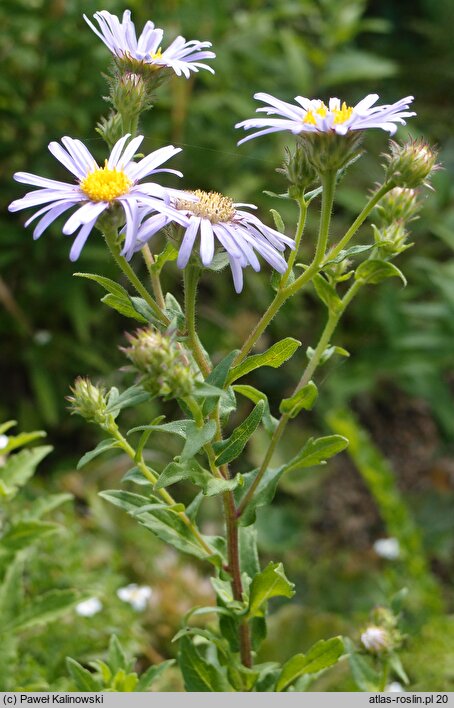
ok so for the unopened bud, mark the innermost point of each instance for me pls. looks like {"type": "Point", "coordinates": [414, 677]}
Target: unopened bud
{"type": "Point", "coordinates": [89, 401]}
{"type": "Point", "coordinates": [299, 173]}
{"type": "Point", "coordinates": [129, 94]}
{"type": "Point", "coordinates": [399, 204]}
{"type": "Point", "coordinates": [391, 240]}
{"type": "Point", "coordinates": [376, 639]}
{"type": "Point", "coordinates": [164, 367]}
{"type": "Point", "coordinates": [326, 152]}
{"type": "Point", "coordinates": [410, 164]}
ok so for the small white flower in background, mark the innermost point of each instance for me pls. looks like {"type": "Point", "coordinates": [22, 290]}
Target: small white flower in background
{"type": "Point", "coordinates": [90, 607]}
{"type": "Point", "coordinates": [387, 548]}
{"type": "Point", "coordinates": [394, 687]}
{"type": "Point", "coordinates": [313, 116]}
{"type": "Point", "coordinates": [375, 639]}
{"type": "Point", "coordinates": [219, 221]}
{"type": "Point", "coordinates": [135, 595]}
{"type": "Point", "coordinates": [97, 189]}
{"type": "Point", "coordinates": [3, 441]}
{"type": "Point", "coordinates": [120, 38]}
{"type": "Point", "coordinates": [42, 337]}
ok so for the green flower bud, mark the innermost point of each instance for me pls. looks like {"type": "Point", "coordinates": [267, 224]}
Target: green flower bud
{"type": "Point", "coordinates": [410, 165]}
{"type": "Point", "coordinates": [162, 363]}
{"type": "Point", "coordinates": [129, 94]}
{"type": "Point", "coordinates": [400, 204]}
{"type": "Point", "coordinates": [330, 151]}
{"type": "Point", "coordinates": [392, 239]}
{"type": "Point", "coordinates": [89, 401]}
{"type": "Point", "coordinates": [298, 171]}
{"type": "Point", "coordinates": [110, 128]}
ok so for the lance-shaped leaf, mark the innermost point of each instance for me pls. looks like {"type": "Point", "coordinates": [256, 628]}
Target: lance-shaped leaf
{"type": "Point", "coordinates": [316, 451]}
{"type": "Point", "coordinates": [218, 376]}
{"type": "Point", "coordinates": [374, 271]}
{"type": "Point", "coordinates": [110, 285]}
{"type": "Point", "coordinates": [197, 437]}
{"type": "Point", "coordinates": [327, 354]}
{"type": "Point", "coordinates": [151, 674]}
{"type": "Point", "coordinates": [322, 655]}
{"type": "Point", "coordinates": [198, 673]}
{"type": "Point", "coordinates": [131, 397]}
{"type": "Point", "coordinates": [103, 446]}
{"type": "Point", "coordinates": [229, 449]}
{"type": "Point", "coordinates": [84, 679]}
{"type": "Point", "coordinates": [254, 395]}
{"type": "Point", "coordinates": [44, 608]}
{"type": "Point", "coordinates": [264, 494]}
{"type": "Point", "coordinates": [274, 357]}
{"type": "Point", "coordinates": [353, 251]}
{"type": "Point", "coordinates": [271, 582]}
{"type": "Point", "coordinates": [304, 399]}
{"type": "Point", "coordinates": [327, 293]}
{"type": "Point", "coordinates": [18, 469]}
{"type": "Point", "coordinates": [15, 441]}
{"type": "Point", "coordinates": [195, 473]}
{"type": "Point", "coordinates": [124, 306]}
{"type": "Point", "coordinates": [24, 533]}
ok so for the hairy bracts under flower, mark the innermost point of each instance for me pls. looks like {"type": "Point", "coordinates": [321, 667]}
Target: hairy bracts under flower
{"type": "Point", "coordinates": [97, 189]}
{"type": "Point", "coordinates": [313, 116]}
{"type": "Point", "coordinates": [181, 56]}
{"type": "Point", "coordinates": [219, 221]}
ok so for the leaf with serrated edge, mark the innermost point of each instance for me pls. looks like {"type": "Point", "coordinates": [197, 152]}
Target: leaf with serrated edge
{"type": "Point", "coordinates": [274, 357]}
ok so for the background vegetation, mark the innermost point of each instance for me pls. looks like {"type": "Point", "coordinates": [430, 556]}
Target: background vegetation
{"type": "Point", "coordinates": [398, 380]}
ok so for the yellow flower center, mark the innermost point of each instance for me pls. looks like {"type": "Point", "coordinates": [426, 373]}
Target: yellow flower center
{"type": "Point", "coordinates": [158, 54]}
{"type": "Point", "coordinates": [105, 185]}
{"type": "Point", "coordinates": [342, 114]}
{"type": "Point", "coordinates": [211, 205]}
{"type": "Point", "coordinates": [320, 111]}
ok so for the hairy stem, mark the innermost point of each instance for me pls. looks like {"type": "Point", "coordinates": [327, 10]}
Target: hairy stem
{"type": "Point", "coordinates": [298, 235]}
{"type": "Point", "coordinates": [191, 278]}
{"type": "Point", "coordinates": [154, 277]}
{"type": "Point", "coordinates": [111, 240]}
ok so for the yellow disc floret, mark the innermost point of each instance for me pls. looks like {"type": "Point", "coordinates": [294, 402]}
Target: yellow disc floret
{"type": "Point", "coordinates": [342, 114]}
{"type": "Point", "coordinates": [210, 205]}
{"type": "Point", "coordinates": [105, 184]}
{"type": "Point", "coordinates": [158, 54]}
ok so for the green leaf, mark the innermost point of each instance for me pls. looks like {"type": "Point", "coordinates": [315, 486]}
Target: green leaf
{"type": "Point", "coordinates": [374, 271]}
{"type": "Point", "coordinates": [264, 494]}
{"type": "Point", "coordinates": [169, 253]}
{"type": "Point", "coordinates": [103, 446]}
{"type": "Point", "coordinates": [178, 427]}
{"type": "Point", "coordinates": [274, 357]}
{"type": "Point", "coordinates": [110, 285]}
{"type": "Point", "coordinates": [229, 449]}
{"type": "Point", "coordinates": [132, 396]}
{"type": "Point", "coordinates": [218, 376]}
{"type": "Point", "coordinates": [173, 310]}
{"type": "Point", "coordinates": [316, 451]}
{"type": "Point", "coordinates": [304, 399]}
{"type": "Point", "coordinates": [84, 679]}
{"type": "Point", "coordinates": [164, 523]}
{"type": "Point", "coordinates": [24, 533]}
{"type": "Point", "coordinates": [353, 251]}
{"type": "Point", "coordinates": [197, 437]}
{"type": "Point", "coordinates": [198, 674]}
{"type": "Point", "coordinates": [15, 441]}
{"type": "Point", "coordinates": [4, 427]}
{"type": "Point", "coordinates": [11, 593]}
{"type": "Point", "coordinates": [327, 293]}
{"type": "Point", "coordinates": [18, 468]}
{"type": "Point", "coordinates": [43, 505]}
{"type": "Point", "coordinates": [269, 422]}
{"type": "Point", "coordinates": [151, 674]}
{"type": "Point", "coordinates": [365, 677]}
{"type": "Point", "coordinates": [195, 473]}
{"type": "Point", "coordinates": [44, 608]}
{"type": "Point", "coordinates": [124, 306]}
{"type": "Point", "coordinates": [116, 657]}
{"type": "Point", "coordinates": [271, 582]}
{"type": "Point", "coordinates": [327, 354]}
{"type": "Point", "coordinates": [143, 309]}
{"type": "Point", "coordinates": [278, 221]}
{"type": "Point", "coordinates": [322, 655]}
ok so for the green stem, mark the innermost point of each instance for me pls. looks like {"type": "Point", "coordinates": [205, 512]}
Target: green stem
{"type": "Point", "coordinates": [384, 189]}
{"type": "Point", "coordinates": [329, 185]}
{"type": "Point", "coordinates": [384, 676]}
{"type": "Point", "coordinates": [298, 236]}
{"type": "Point", "coordinates": [191, 279]}
{"type": "Point", "coordinates": [130, 123]}
{"type": "Point", "coordinates": [111, 240]}
{"type": "Point", "coordinates": [324, 340]}
{"type": "Point", "coordinates": [152, 478]}
{"type": "Point", "coordinates": [154, 277]}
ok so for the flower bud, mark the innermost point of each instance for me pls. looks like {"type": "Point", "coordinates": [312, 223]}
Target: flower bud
{"type": "Point", "coordinates": [89, 401]}
{"type": "Point", "coordinates": [298, 171]}
{"type": "Point", "coordinates": [410, 164]}
{"type": "Point", "coordinates": [110, 128]}
{"type": "Point", "coordinates": [165, 369]}
{"type": "Point", "coordinates": [129, 94]}
{"type": "Point", "coordinates": [376, 639]}
{"type": "Point", "coordinates": [400, 204]}
{"type": "Point", "coordinates": [329, 151]}
{"type": "Point", "coordinates": [392, 239]}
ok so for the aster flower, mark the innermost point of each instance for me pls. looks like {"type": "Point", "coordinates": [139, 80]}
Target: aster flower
{"type": "Point", "coordinates": [97, 189]}
{"type": "Point", "coordinates": [135, 595]}
{"type": "Point", "coordinates": [218, 219]}
{"type": "Point", "coordinates": [89, 607]}
{"type": "Point", "coordinates": [313, 116]}
{"type": "Point", "coordinates": [120, 38]}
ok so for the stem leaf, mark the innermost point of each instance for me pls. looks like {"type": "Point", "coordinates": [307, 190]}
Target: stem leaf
{"type": "Point", "coordinates": [320, 656]}
{"type": "Point", "coordinates": [374, 271]}
{"type": "Point", "coordinates": [304, 399]}
{"type": "Point", "coordinates": [316, 451]}
{"type": "Point", "coordinates": [275, 356]}
{"type": "Point", "coordinates": [198, 673]}
{"type": "Point", "coordinates": [229, 449]}
{"type": "Point", "coordinates": [271, 582]}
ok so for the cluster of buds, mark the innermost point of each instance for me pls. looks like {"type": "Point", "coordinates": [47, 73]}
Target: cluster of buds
{"type": "Point", "coordinates": [90, 402]}
{"type": "Point", "coordinates": [329, 152]}
{"type": "Point", "coordinates": [410, 165]}
{"type": "Point", "coordinates": [162, 363]}
{"type": "Point", "coordinates": [298, 171]}
{"type": "Point", "coordinates": [382, 635]}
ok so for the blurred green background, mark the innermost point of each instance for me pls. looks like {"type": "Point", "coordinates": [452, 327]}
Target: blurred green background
{"type": "Point", "coordinates": [399, 379]}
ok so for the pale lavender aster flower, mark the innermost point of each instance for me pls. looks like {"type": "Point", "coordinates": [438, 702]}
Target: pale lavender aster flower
{"type": "Point", "coordinates": [89, 607]}
{"type": "Point", "coordinates": [97, 189]}
{"type": "Point", "coordinates": [313, 116]}
{"type": "Point", "coordinates": [217, 219]}
{"type": "Point", "coordinates": [135, 595]}
{"type": "Point", "coordinates": [375, 639]}
{"type": "Point", "coordinates": [121, 39]}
